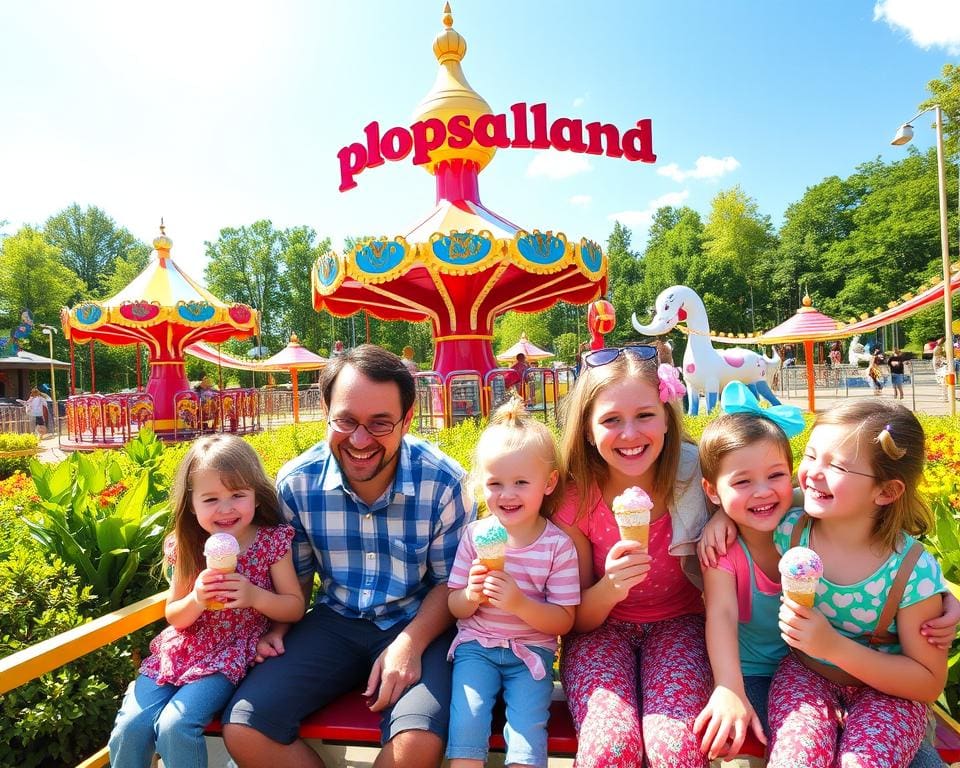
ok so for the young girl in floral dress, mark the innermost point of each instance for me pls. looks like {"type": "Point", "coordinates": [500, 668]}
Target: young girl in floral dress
{"type": "Point", "coordinates": [197, 661]}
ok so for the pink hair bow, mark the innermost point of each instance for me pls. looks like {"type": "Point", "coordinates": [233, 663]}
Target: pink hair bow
{"type": "Point", "coordinates": [671, 388]}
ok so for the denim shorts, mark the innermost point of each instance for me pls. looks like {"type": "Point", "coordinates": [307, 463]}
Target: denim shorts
{"type": "Point", "coordinates": [896, 379]}
{"type": "Point", "coordinates": [479, 674]}
{"type": "Point", "coordinates": [326, 655]}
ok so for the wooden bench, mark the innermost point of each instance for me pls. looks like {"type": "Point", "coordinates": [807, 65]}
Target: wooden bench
{"type": "Point", "coordinates": [347, 720]}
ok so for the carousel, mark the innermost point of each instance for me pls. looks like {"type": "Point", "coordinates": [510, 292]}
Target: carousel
{"type": "Point", "coordinates": [462, 264]}
{"type": "Point", "coordinates": [166, 311]}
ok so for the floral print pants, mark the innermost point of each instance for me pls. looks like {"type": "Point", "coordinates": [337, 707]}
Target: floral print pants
{"type": "Point", "coordinates": [608, 698]}
{"type": "Point", "coordinates": [815, 723]}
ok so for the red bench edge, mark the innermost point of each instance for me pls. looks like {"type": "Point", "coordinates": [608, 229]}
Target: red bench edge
{"type": "Point", "coordinates": [348, 719]}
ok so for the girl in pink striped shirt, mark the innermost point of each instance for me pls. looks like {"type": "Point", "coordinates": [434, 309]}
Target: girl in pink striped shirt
{"type": "Point", "coordinates": [509, 619]}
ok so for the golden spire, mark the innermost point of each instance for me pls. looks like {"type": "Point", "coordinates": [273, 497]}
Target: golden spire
{"type": "Point", "coordinates": [449, 44]}
{"type": "Point", "coordinates": [451, 94]}
{"type": "Point", "coordinates": [162, 244]}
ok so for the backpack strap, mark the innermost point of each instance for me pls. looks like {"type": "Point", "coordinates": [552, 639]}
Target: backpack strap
{"type": "Point", "coordinates": [880, 634]}
{"type": "Point", "coordinates": [803, 522]}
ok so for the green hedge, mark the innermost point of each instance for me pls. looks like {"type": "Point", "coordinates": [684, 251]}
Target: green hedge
{"type": "Point", "coordinates": [12, 443]}
{"type": "Point", "coordinates": [64, 716]}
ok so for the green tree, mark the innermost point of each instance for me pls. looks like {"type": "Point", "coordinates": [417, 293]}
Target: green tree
{"type": "Point", "coordinates": [894, 240]}
{"type": "Point", "coordinates": [300, 251]}
{"type": "Point", "coordinates": [625, 286]}
{"type": "Point", "coordinates": [246, 265]}
{"type": "Point", "coordinates": [737, 240]}
{"type": "Point", "coordinates": [822, 218]}
{"type": "Point", "coordinates": [91, 242]}
{"type": "Point", "coordinates": [946, 93]}
{"type": "Point", "coordinates": [32, 277]}
{"type": "Point", "coordinates": [675, 241]}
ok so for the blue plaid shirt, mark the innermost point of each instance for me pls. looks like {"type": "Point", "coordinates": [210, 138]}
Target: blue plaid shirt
{"type": "Point", "coordinates": [376, 562]}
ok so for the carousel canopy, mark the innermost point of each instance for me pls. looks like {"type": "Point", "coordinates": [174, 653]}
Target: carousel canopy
{"type": "Point", "coordinates": [807, 324]}
{"type": "Point", "coordinates": [162, 307]}
{"type": "Point", "coordinates": [461, 265]}
{"type": "Point", "coordinates": [529, 350]}
{"type": "Point", "coordinates": [294, 356]}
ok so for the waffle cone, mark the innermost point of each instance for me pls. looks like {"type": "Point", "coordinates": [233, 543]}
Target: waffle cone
{"type": "Point", "coordinates": [638, 533]}
{"type": "Point", "coordinates": [227, 564]}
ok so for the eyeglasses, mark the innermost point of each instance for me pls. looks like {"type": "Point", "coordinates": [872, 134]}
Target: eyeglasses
{"type": "Point", "coordinates": [609, 354]}
{"type": "Point", "coordinates": [841, 471]}
{"type": "Point", "coordinates": [377, 427]}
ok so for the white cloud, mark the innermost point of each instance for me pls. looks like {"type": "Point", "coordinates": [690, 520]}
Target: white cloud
{"type": "Point", "coordinates": [580, 200]}
{"type": "Point", "coordinates": [554, 164]}
{"type": "Point", "coordinates": [580, 100]}
{"type": "Point", "coordinates": [705, 168]}
{"type": "Point", "coordinates": [642, 218]}
{"type": "Point", "coordinates": [928, 23]}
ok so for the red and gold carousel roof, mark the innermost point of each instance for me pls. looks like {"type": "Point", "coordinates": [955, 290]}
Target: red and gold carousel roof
{"type": "Point", "coordinates": [158, 299]}
{"type": "Point", "coordinates": [462, 264]}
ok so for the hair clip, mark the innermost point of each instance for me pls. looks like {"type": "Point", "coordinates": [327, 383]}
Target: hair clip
{"type": "Point", "coordinates": [737, 398]}
{"type": "Point", "coordinates": [671, 388]}
{"type": "Point", "coordinates": [889, 445]}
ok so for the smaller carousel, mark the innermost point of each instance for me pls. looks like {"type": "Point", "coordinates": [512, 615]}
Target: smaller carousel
{"type": "Point", "coordinates": [165, 310]}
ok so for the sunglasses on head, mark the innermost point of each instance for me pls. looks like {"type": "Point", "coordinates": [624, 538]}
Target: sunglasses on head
{"type": "Point", "coordinates": [609, 354]}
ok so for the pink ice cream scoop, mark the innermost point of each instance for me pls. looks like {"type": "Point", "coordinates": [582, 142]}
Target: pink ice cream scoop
{"type": "Point", "coordinates": [800, 572]}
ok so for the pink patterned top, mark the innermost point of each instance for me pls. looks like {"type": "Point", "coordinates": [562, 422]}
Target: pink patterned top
{"type": "Point", "coordinates": [220, 641]}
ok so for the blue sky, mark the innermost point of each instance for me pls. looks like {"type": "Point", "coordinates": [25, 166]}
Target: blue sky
{"type": "Point", "coordinates": [215, 114]}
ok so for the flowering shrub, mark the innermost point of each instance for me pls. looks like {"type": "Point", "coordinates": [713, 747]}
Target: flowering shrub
{"type": "Point", "coordinates": [10, 446]}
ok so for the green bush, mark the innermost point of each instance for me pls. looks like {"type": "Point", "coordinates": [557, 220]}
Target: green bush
{"type": "Point", "coordinates": [11, 443]}
{"type": "Point", "coordinates": [107, 524]}
{"type": "Point", "coordinates": [66, 715]}
{"type": "Point", "coordinates": [278, 446]}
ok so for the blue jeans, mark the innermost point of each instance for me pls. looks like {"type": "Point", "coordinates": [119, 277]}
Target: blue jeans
{"type": "Point", "coordinates": [167, 719]}
{"type": "Point", "coordinates": [478, 676]}
{"type": "Point", "coordinates": [757, 688]}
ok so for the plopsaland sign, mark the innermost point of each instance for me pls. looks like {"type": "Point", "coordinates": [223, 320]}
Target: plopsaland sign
{"type": "Point", "coordinates": [489, 130]}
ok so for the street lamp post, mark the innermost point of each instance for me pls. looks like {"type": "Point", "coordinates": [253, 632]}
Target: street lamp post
{"type": "Point", "coordinates": [904, 134]}
{"type": "Point", "coordinates": [48, 331]}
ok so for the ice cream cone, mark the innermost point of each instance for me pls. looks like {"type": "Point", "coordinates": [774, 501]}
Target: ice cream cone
{"type": "Point", "coordinates": [800, 572]}
{"type": "Point", "coordinates": [490, 539]}
{"type": "Point", "coordinates": [803, 591]}
{"type": "Point", "coordinates": [221, 551]}
{"type": "Point", "coordinates": [631, 510]}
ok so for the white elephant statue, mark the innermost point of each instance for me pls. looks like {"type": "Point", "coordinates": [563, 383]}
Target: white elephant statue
{"type": "Point", "coordinates": [706, 370]}
{"type": "Point", "coordinates": [857, 352]}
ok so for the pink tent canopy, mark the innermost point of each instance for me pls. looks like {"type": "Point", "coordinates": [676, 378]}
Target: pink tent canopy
{"type": "Point", "coordinates": [292, 358]}
{"type": "Point", "coordinates": [531, 351]}
{"type": "Point", "coordinates": [806, 326]}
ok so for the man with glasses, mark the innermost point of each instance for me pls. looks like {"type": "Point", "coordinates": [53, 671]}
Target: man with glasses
{"type": "Point", "coordinates": [378, 514]}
